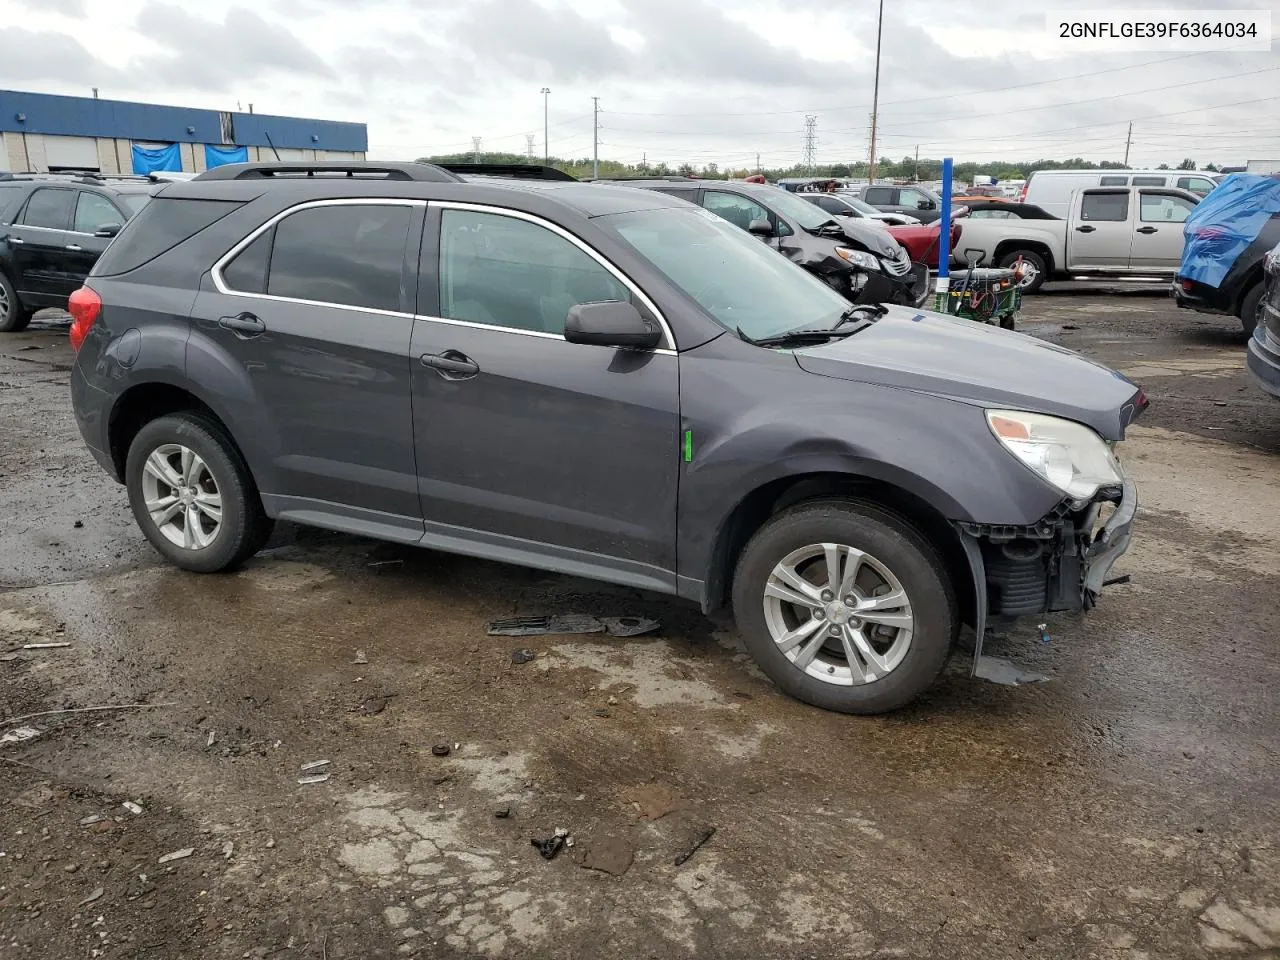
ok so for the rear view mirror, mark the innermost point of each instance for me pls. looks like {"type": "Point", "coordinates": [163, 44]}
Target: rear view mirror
{"type": "Point", "coordinates": [108, 230]}
{"type": "Point", "coordinates": [611, 323]}
{"type": "Point", "coordinates": [761, 228]}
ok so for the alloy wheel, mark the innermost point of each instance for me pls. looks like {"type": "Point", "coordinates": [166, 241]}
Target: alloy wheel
{"type": "Point", "coordinates": [182, 496]}
{"type": "Point", "coordinates": [838, 614]}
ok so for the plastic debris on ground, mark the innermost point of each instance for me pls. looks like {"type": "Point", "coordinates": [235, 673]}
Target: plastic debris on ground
{"type": "Point", "coordinates": [571, 623]}
{"type": "Point", "coordinates": [441, 750]}
{"type": "Point", "coordinates": [96, 895]}
{"type": "Point", "coordinates": [313, 765]}
{"type": "Point", "coordinates": [177, 855]}
{"type": "Point", "coordinates": [131, 807]}
{"type": "Point", "coordinates": [553, 844]}
{"type": "Point", "coordinates": [44, 646]}
{"type": "Point", "coordinates": [1002, 671]}
{"type": "Point", "coordinates": [20, 735]}
{"type": "Point", "coordinates": [312, 778]}
{"type": "Point", "coordinates": [523, 655]}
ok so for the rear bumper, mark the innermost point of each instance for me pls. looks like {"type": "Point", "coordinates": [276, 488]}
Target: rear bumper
{"type": "Point", "coordinates": [1263, 361]}
{"type": "Point", "coordinates": [1201, 297]}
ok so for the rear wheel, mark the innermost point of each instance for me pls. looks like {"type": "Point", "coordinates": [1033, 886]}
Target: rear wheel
{"type": "Point", "coordinates": [845, 606]}
{"type": "Point", "coordinates": [1035, 270]}
{"type": "Point", "coordinates": [14, 317]}
{"type": "Point", "coordinates": [192, 494]}
{"type": "Point", "coordinates": [1249, 309]}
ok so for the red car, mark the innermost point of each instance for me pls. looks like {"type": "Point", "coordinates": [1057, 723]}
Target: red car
{"type": "Point", "coordinates": [921, 241]}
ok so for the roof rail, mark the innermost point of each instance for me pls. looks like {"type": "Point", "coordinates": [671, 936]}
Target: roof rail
{"type": "Point", "coordinates": [671, 179]}
{"type": "Point", "coordinates": [330, 169]}
{"type": "Point", "coordinates": [518, 171]}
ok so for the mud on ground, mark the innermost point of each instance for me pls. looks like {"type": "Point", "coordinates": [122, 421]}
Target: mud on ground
{"type": "Point", "coordinates": [1127, 809]}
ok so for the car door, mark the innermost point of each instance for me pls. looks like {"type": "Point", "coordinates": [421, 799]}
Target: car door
{"type": "Point", "coordinates": [1101, 234]}
{"type": "Point", "coordinates": [1157, 236]}
{"type": "Point", "coordinates": [909, 202]}
{"type": "Point", "coordinates": [38, 238]}
{"type": "Point", "coordinates": [531, 448]}
{"type": "Point", "coordinates": [94, 212]}
{"type": "Point", "coordinates": [312, 313]}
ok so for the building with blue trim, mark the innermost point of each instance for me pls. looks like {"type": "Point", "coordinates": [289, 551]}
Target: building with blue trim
{"type": "Point", "coordinates": [43, 132]}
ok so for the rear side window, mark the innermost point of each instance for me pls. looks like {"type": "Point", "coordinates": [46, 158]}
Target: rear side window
{"type": "Point", "coordinates": [879, 196]}
{"type": "Point", "coordinates": [1113, 182]}
{"type": "Point", "coordinates": [1106, 207]}
{"type": "Point", "coordinates": [1149, 181]}
{"type": "Point", "coordinates": [349, 254]}
{"type": "Point", "coordinates": [161, 226]}
{"type": "Point", "coordinates": [49, 208]}
{"type": "Point", "coordinates": [247, 273]}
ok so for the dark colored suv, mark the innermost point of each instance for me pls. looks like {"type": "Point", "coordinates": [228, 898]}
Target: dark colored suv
{"type": "Point", "coordinates": [600, 381]}
{"type": "Point", "coordinates": [1264, 340]}
{"type": "Point", "coordinates": [916, 201]}
{"type": "Point", "coordinates": [1240, 292]}
{"type": "Point", "coordinates": [53, 227]}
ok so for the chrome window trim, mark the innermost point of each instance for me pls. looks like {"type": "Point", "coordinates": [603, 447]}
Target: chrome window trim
{"type": "Point", "coordinates": [221, 286]}
{"type": "Point", "coordinates": [519, 331]}
{"type": "Point", "coordinates": [669, 340]}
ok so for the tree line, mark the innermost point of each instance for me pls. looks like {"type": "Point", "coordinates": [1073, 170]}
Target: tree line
{"type": "Point", "coordinates": [908, 168]}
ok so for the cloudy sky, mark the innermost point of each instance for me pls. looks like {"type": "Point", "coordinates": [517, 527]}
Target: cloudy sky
{"type": "Point", "coordinates": [678, 80]}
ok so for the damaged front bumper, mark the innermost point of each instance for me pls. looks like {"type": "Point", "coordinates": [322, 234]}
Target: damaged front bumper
{"type": "Point", "coordinates": [1057, 565]}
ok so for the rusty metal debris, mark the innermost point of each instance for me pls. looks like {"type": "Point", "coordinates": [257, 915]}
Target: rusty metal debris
{"type": "Point", "coordinates": [571, 623]}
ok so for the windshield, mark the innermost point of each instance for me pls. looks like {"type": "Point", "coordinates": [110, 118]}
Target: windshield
{"type": "Point", "coordinates": [738, 280]}
{"type": "Point", "coordinates": [807, 215]}
{"type": "Point", "coordinates": [859, 204]}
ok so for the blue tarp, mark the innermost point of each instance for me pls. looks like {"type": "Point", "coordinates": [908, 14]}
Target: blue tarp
{"type": "Point", "coordinates": [1224, 223]}
{"type": "Point", "coordinates": [157, 159]}
{"type": "Point", "coordinates": [217, 156]}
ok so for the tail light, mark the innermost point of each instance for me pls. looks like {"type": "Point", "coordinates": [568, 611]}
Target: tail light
{"type": "Point", "coordinates": [84, 307]}
{"type": "Point", "coordinates": [1187, 285]}
{"type": "Point", "coordinates": [1022, 194]}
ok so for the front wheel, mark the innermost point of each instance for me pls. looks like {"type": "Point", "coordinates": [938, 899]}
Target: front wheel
{"type": "Point", "coordinates": [193, 496]}
{"type": "Point", "coordinates": [1035, 270]}
{"type": "Point", "coordinates": [845, 606]}
{"type": "Point", "coordinates": [1249, 309]}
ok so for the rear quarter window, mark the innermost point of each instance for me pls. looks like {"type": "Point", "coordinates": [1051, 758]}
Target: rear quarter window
{"type": "Point", "coordinates": [10, 196]}
{"type": "Point", "coordinates": [159, 227]}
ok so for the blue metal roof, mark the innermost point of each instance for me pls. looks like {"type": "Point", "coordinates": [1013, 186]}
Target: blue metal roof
{"type": "Point", "coordinates": [91, 117]}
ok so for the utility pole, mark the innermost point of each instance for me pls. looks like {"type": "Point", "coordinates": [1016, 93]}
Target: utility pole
{"type": "Point", "coordinates": [644, 162]}
{"type": "Point", "coordinates": [917, 174]}
{"type": "Point", "coordinates": [546, 148]}
{"type": "Point", "coordinates": [595, 137]}
{"type": "Point", "coordinates": [475, 149]}
{"type": "Point", "coordinates": [810, 143]}
{"type": "Point", "coordinates": [528, 145]}
{"type": "Point", "coordinates": [1128, 140]}
{"type": "Point", "coordinates": [758, 163]}
{"type": "Point", "coordinates": [875, 98]}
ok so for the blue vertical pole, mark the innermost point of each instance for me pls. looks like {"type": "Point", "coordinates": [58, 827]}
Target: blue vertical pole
{"type": "Point", "coordinates": [944, 240]}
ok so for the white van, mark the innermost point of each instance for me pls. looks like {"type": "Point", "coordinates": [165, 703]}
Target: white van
{"type": "Point", "coordinates": [1051, 190]}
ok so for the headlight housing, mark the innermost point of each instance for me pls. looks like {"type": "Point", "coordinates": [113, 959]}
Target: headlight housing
{"type": "Point", "coordinates": [1066, 454]}
{"type": "Point", "coordinates": [859, 258]}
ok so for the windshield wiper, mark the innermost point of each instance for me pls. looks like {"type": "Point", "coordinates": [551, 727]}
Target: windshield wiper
{"type": "Point", "coordinates": [867, 313]}
{"type": "Point", "coordinates": [870, 312]}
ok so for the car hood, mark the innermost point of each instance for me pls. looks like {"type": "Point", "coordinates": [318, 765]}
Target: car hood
{"type": "Point", "coordinates": [872, 239]}
{"type": "Point", "coordinates": [975, 363]}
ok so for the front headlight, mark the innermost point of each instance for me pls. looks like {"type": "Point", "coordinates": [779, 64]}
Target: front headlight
{"type": "Point", "coordinates": [1067, 454]}
{"type": "Point", "coordinates": [858, 258]}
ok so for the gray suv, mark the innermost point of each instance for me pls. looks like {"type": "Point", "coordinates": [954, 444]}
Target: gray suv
{"type": "Point", "coordinates": [601, 381]}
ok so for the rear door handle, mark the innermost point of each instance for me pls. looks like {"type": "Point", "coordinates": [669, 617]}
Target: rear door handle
{"type": "Point", "coordinates": [244, 324]}
{"type": "Point", "coordinates": [452, 365]}
{"type": "Point", "coordinates": [17, 241]}
{"type": "Point", "coordinates": [74, 247]}
{"type": "Point", "coordinates": [1146, 230]}
{"type": "Point", "coordinates": [1086, 229]}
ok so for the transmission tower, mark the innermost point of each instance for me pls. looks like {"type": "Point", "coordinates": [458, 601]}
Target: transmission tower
{"type": "Point", "coordinates": [810, 143]}
{"type": "Point", "coordinates": [528, 143]}
{"type": "Point", "coordinates": [475, 149]}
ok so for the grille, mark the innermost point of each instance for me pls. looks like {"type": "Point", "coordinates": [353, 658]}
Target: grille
{"type": "Point", "coordinates": [900, 265]}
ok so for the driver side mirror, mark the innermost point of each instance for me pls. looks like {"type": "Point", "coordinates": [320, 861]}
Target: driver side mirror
{"type": "Point", "coordinates": [924, 204]}
{"type": "Point", "coordinates": [761, 228]}
{"type": "Point", "coordinates": [611, 323]}
{"type": "Point", "coordinates": [108, 230]}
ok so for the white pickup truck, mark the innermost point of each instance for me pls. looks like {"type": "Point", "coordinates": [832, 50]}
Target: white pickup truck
{"type": "Point", "coordinates": [1112, 231]}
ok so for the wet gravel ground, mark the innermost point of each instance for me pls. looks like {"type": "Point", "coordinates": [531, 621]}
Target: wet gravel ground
{"type": "Point", "coordinates": [1127, 809]}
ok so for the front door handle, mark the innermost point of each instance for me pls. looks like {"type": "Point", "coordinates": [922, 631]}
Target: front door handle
{"type": "Point", "coordinates": [1086, 229]}
{"type": "Point", "coordinates": [244, 325]}
{"type": "Point", "coordinates": [1146, 230]}
{"type": "Point", "coordinates": [452, 365]}
{"type": "Point", "coordinates": [17, 241]}
{"type": "Point", "coordinates": [74, 247]}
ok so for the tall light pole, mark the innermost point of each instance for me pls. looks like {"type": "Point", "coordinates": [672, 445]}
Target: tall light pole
{"type": "Point", "coordinates": [546, 142]}
{"type": "Point", "coordinates": [875, 98]}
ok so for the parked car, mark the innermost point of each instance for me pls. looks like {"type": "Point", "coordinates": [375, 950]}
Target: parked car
{"type": "Point", "coordinates": [843, 252]}
{"type": "Point", "coordinates": [1111, 231]}
{"type": "Point", "coordinates": [986, 209]}
{"type": "Point", "coordinates": [1222, 269]}
{"type": "Point", "coordinates": [916, 201]}
{"type": "Point", "coordinates": [1264, 342]}
{"type": "Point", "coordinates": [843, 204]}
{"type": "Point", "coordinates": [921, 240]}
{"type": "Point", "coordinates": [1053, 189]}
{"type": "Point", "coordinates": [606, 382]}
{"type": "Point", "coordinates": [52, 229]}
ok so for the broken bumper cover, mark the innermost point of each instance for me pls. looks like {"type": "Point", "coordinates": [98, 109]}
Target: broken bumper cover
{"type": "Point", "coordinates": [1111, 541]}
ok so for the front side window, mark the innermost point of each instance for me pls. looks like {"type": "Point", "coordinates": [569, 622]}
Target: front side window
{"type": "Point", "coordinates": [350, 254]}
{"type": "Point", "coordinates": [507, 272]}
{"type": "Point", "coordinates": [911, 198]}
{"type": "Point", "coordinates": [94, 211]}
{"type": "Point", "coordinates": [993, 215]}
{"type": "Point", "coordinates": [1105, 207]}
{"type": "Point", "coordinates": [1200, 185]}
{"type": "Point", "coordinates": [1164, 208]}
{"type": "Point", "coordinates": [49, 208]}
{"type": "Point", "coordinates": [739, 211]}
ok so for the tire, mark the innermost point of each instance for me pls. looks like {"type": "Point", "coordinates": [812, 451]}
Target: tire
{"type": "Point", "coordinates": [1037, 263]}
{"type": "Point", "coordinates": [203, 546]}
{"type": "Point", "coordinates": [14, 317]}
{"type": "Point", "coordinates": [1249, 309]}
{"type": "Point", "coordinates": [909, 665]}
